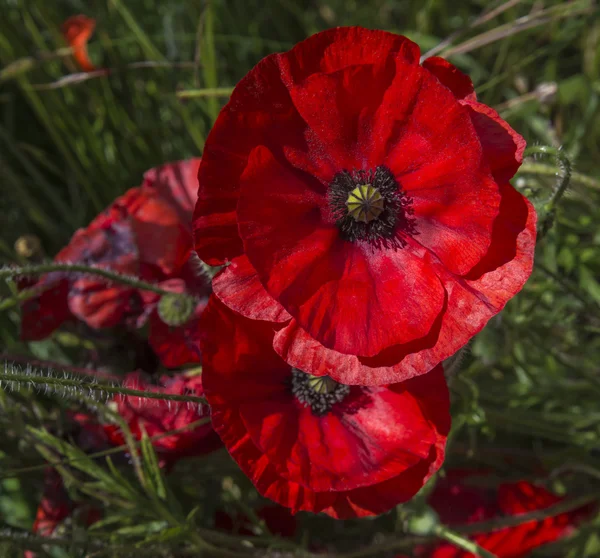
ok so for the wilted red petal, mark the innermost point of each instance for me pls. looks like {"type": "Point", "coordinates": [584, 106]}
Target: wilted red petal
{"type": "Point", "coordinates": [77, 31]}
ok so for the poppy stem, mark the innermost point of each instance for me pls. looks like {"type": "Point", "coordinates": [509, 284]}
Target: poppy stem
{"type": "Point", "coordinates": [13, 378]}
{"type": "Point", "coordinates": [564, 178]}
{"type": "Point", "coordinates": [459, 541]}
{"type": "Point", "coordinates": [9, 272]}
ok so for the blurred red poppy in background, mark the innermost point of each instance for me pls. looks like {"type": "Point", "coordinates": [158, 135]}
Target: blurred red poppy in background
{"type": "Point", "coordinates": [157, 416]}
{"type": "Point", "coordinates": [460, 501]}
{"type": "Point", "coordinates": [146, 233]}
{"type": "Point", "coordinates": [56, 506]}
{"type": "Point", "coordinates": [77, 31]}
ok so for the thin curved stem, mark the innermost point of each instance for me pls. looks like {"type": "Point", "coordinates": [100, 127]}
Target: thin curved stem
{"type": "Point", "coordinates": [40, 269]}
{"type": "Point", "coordinates": [565, 170]}
{"type": "Point", "coordinates": [549, 170]}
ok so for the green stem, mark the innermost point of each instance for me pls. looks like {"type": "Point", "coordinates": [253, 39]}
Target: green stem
{"type": "Point", "coordinates": [459, 541]}
{"type": "Point", "coordinates": [40, 269]}
{"type": "Point", "coordinates": [549, 170]}
{"type": "Point", "coordinates": [20, 297]}
{"type": "Point", "coordinates": [564, 178]}
{"type": "Point", "coordinates": [90, 385]}
{"type": "Point", "coordinates": [207, 92]}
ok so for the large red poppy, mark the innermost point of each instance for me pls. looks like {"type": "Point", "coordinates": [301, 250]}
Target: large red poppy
{"type": "Point", "coordinates": [145, 233]}
{"type": "Point", "coordinates": [368, 196]}
{"type": "Point", "coordinates": [310, 443]}
{"type": "Point", "coordinates": [459, 501]}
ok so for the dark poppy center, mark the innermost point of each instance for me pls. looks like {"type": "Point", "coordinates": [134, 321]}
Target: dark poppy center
{"type": "Point", "coordinates": [370, 205]}
{"type": "Point", "coordinates": [320, 393]}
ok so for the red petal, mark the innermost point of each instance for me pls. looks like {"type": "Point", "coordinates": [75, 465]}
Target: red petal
{"type": "Point", "coordinates": [97, 304]}
{"type": "Point", "coordinates": [176, 346]}
{"type": "Point", "coordinates": [260, 112]}
{"type": "Point", "coordinates": [239, 288]}
{"type": "Point", "coordinates": [161, 237]}
{"type": "Point", "coordinates": [449, 75]}
{"type": "Point", "coordinates": [341, 47]}
{"type": "Point", "coordinates": [339, 108]}
{"type": "Point", "coordinates": [348, 296]}
{"type": "Point", "coordinates": [41, 315]}
{"type": "Point", "coordinates": [77, 30]}
{"type": "Point", "coordinates": [177, 183]}
{"type": "Point", "coordinates": [437, 159]}
{"type": "Point", "coordinates": [159, 416]}
{"type": "Point", "coordinates": [502, 147]}
{"type": "Point", "coordinates": [347, 449]}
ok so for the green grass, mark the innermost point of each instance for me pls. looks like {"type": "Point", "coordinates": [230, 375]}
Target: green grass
{"type": "Point", "coordinates": [529, 387]}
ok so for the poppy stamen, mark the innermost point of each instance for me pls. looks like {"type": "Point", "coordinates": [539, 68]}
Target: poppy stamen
{"type": "Point", "coordinates": [370, 205]}
{"type": "Point", "coordinates": [320, 393]}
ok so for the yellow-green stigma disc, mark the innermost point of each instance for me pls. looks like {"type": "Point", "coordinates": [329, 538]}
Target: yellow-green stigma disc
{"type": "Point", "coordinates": [365, 203]}
{"type": "Point", "coordinates": [322, 384]}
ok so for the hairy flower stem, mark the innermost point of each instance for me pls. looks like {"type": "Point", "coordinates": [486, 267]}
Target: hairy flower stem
{"type": "Point", "coordinates": [85, 385]}
{"type": "Point", "coordinates": [549, 170]}
{"type": "Point", "coordinates": [10, 272]}
{"type": "Point", "coordinates": [564, 178]}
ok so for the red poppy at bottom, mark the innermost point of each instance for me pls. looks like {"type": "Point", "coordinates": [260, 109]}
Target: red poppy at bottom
{"type": "Point", "coordinates": [310, 443]}
{"type": "Point", "coordinates": [458, 501]}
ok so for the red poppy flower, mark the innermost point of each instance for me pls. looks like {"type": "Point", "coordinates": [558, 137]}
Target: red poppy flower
{"type": "Point", "coordinates": [311, 443]}
{"type": "Point", "coordinates": [77, 31]}
{"type": "Point", "coordinates": [458, 502]}
{"type": "Point", "coordinates": [368, 196]}
{"type": "Point", "coordinates": [55, 507]}
{"type": "Point", "coordinates": [156, 417]}
{"type": "Point", "coordinates": [145, 233]}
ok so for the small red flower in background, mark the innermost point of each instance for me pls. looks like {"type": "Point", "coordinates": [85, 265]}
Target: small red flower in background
{"type": "Point", "coordinates": [310, 443]}
{"type": "Point", "coordinates": [363, 200]}
{"type": "Point", "coordinates": [458, 503]}
{"type": "Point", "coordinates": [145, 233]}
{"type": "Point", "coordinates": [77, 31]}
{"type": "Point", "coordinates": [55, 507]}
{"type": "Point", "coordinates": [155, 417]}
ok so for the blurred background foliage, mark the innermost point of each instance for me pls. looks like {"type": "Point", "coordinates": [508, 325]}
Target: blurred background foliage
{"type": "Point", "coordinates": [527, 390]}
